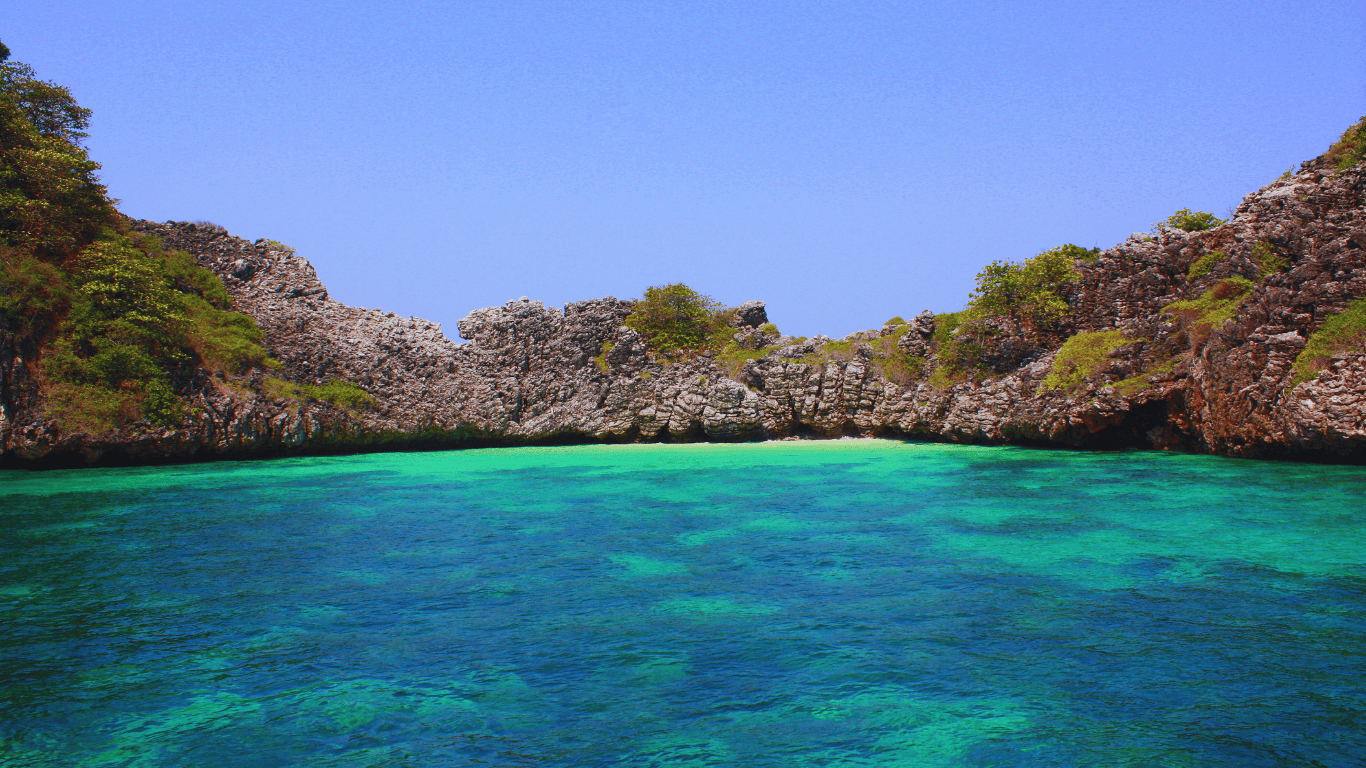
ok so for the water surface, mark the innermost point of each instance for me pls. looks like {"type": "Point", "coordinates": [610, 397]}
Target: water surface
{"type": "Point", "coordinates": [854, 603]}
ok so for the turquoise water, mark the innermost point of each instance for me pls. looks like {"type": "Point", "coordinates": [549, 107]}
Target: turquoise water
{"type": "Point", "coordinates": [853, 603]}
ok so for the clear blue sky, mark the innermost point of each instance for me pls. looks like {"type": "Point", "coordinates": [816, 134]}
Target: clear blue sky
{"type": "Point", "coordinates": [843, 161]}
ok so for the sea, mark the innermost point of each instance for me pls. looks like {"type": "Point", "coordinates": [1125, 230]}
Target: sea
{"type": "Point", "coordinates": [819, 603]}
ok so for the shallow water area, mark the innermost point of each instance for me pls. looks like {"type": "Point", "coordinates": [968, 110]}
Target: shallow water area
{"type": "Point", "coordinates": [847, 603]}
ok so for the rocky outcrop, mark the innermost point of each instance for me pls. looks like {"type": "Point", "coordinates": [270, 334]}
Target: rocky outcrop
{"type": "Point", "coordinates": [530, 373]}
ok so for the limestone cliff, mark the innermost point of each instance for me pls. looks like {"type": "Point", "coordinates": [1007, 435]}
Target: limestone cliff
{"type": "Point", "coordinates": [1223, 382]}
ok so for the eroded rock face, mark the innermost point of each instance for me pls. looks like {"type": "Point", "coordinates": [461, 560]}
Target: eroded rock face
{"type": "Point", "coordinates": [531, 373]}
{"type": "Point", "coordinates": [752, 314]}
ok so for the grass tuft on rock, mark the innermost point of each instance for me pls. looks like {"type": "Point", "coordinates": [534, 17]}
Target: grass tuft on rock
{"type": "Point", "coordinates": [342, 394]}
{"type": "Point", "coordinates": [1142, 381]}
{"type": "Point", "coordinates": [601, 359]}
{"type": "Point", "coordinates": [1215, 306]}
{"type": "Point", "coordinates": [733, 358]}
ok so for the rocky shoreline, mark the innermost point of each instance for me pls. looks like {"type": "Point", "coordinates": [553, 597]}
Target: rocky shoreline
{"type": "Point", "coordinates": [531, 374]}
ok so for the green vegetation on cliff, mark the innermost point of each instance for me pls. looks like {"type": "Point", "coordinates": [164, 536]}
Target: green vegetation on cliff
{"type": "Point", "coordinates": [1028, 293]}
{"type": "Point", "coordinates": [1082, 356]}
{"type": "Point", "coordinates": [1268, 261]}
{"type": "Point", "coordinates": [1215, 306]}
{"type": "Point", "coordinates": [119, 324]}
{"type": "Point", "coordinates": [1191, 221]}
{"type": "Point", "coordinates": [884, 355]}
{"type": "Point", "coordinates": [1021, 299]}
{"type": "Point", "coordinates": [732, 358]}
{"type": "Point", "coordinates": [1202, 266]}
{"type": "Point", "coordinates": [1340, 332]}
{"type": "Point", "coordinates": [1350, 149]}
{"type": "Point", "coordinates": [340, 393]}
{"type": "Point", "coordinates": [675, 318]}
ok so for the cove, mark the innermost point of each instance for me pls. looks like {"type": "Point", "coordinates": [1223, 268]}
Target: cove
{"type": "Point", "coordinates": [842, 603]}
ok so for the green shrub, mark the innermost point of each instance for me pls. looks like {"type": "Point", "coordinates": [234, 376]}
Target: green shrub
{"type": "Point", "coordinates": [1268, 260]}
{"type": "Point", "coordinates": [902, 369]}
{"type": "Point", "coordinates": [1215, 306]}
{"type": "Point", "coordinates": [892, 362]}
{"type": "Point", "coordinates": [1345, 330]}
{"type": "Point", "coordinates": [1076, 252]}
{"type": "Point", "coordinates": [184, 273]}
{"type": "Point", "coordinates": [121, 284]}
{"type": "Point", "coordinates": [770, 329]}
{"type": "Point", "coordinates": [1205, 263]}
{"type": "Point", "coordinates": [830, 352]}
{"type": "Point", "coordinates": [161, 406]}
{"type": "Point", "coordinates": [1191, 221]}
{"type": "Point", "coordinates": [1142, 381]}
{"type": "Point", "coordinates": [128, 329]}
{"type": "Point", "coordinates": [886, 357]}
{"type": "Point", "coordinates": [51, 202]}
{"type": "Point", "coordinates": [273, 387]}
{"type": "Point", "coordinates": [34, 294]}
{"type": "Point", "coordinates": [836, 351]}
{"type": "Point", "coordinates": [674, 318]}
{"type": "Point", "coordinates": [944, 326]}
{"type": "Point", "coordinates": [276, 245]}
{"type": "Point", "coordinates": [898, 320]}
{"type": "Point", "coordinates": [957, 341]}
{"type": "Point", "coordinates": [338, 392]}
{"type": "Point", "coordinates": [1030, 292]}
{"type": "Point", "coordinates": [1081, 356]}
{"type": "Point", "coordinates": [733, 358]}
{"type": "Point", "coordinates": [1350, 149]}
{"type": "Point", "coordinates": [945, 376]}
{"type": "Point", "coordinates": [90, 408]}
{"type": "Point", "coordinates": [601, 359]}
{"type": "Point", "coordinates": [224, 341]}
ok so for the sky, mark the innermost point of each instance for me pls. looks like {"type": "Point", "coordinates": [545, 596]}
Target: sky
{"type": "Point", "coordinates": [843, 161]}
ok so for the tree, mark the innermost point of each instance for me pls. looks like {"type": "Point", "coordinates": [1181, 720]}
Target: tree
{"type": "Point", "coordinates": [1026, 293]}
{"type": "Point", "coordinates": [1000, 289]}
{"type": "Point", "coordinates": [1191, 221]}
{"type": "Point", "coordinates": [51, 203]}
{"type": "Point", "coordinates": [51, 108]}
{"type": "Point", "coordinates": [673, 317]}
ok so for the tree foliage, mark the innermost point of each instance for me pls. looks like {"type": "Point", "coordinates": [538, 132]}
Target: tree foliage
{"type": "Point", "coordinates": [130, 329]}
{"type": "Point", "coordinates": [119, 323]}
{"type": "Point", "coordinates": [51, 203]}
{"type": "Point", "coordinates": [674, 317]}
{"type": "Point", "coordinates": [1013, 305]}
{"type": "Point", "coordinates": [1191, 221]}
{"type": "Point", "coordinates": [1028, 293]}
